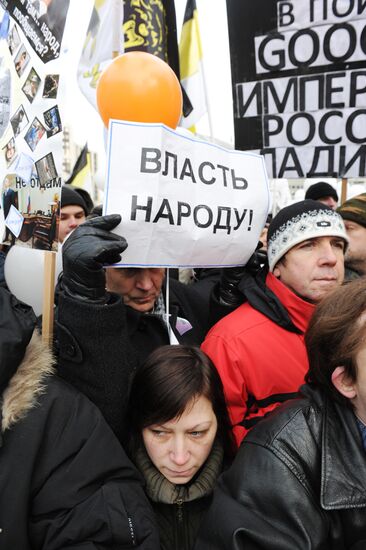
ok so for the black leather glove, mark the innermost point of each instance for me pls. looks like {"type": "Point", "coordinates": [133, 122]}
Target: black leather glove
{"type": "Point", "coordinates": [229, 294]}
{"type": "Point", "coordinates": [85, 251]}
{"type": "Point", "coordinates": [256, 261]}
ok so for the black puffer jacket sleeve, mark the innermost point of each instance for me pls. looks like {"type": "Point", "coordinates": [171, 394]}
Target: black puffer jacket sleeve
{"type": "Point", "coordinates": [246, 515]}
{"type": "Point", "coordinates": [86, 494]}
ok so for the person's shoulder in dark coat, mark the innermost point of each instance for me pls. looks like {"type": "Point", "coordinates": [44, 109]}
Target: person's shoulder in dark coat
{"type": "Point", "coordinates": [65, 476]}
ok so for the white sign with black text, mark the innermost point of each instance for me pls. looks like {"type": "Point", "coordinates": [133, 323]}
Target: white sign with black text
{"type": "Point", "coordinates": [184, 202]}
{"type": "Point", "coordinates": [299, 80]}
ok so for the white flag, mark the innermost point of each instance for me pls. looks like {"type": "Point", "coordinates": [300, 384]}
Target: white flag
{"type": "Point", "coordinates": [104, 40]}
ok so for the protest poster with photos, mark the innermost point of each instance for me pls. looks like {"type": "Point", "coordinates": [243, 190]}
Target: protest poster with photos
{"type": "Point", "coordinates": [31, 151]}
{"type": "Point", "coordinates": [184, 202]}
{"type": "Point", "coordinates": [42, 22]}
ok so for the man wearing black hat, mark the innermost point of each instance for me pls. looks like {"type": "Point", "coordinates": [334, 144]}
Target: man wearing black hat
{"type": "Point", "coordinates": [74, 210]}
{"type": "Point", "coordinates": [259, 349]}
{"type": "Point", "coordinates": [323, 192]}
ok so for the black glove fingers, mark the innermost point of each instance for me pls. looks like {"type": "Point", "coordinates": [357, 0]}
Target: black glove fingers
{"type": "Point", "coordinates": [114, 259]}
{"type": "Point", "coordinates": [86, 251]}
{"type": "Point", "coordinates": [90, 233]}
{"type": "Point", "coordinates": [104, 222]}
{"type": "Point", "coordinates": [109, 251]}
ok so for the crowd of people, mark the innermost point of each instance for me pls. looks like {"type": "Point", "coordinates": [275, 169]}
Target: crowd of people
{"type": "Point", "coordinates": [228, 413]}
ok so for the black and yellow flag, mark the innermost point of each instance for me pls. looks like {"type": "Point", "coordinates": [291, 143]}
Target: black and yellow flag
{"type": "Point", "coordinates": [191, 69]}
{"type": "Point", "coordinates": [151, 26]}
{"type": "Point", "coordinates": [81, 175]}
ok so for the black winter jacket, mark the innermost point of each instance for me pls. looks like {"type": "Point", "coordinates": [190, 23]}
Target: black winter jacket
{"type": "Point", "coordinates": [65, 482]}
{"type": "Point", "coordinates": [100, 345]}
{"type": "Point", "coordinates": [298, 482]}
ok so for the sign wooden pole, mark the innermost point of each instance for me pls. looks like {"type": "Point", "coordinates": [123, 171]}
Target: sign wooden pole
{"type": "Point", "coordinates": [344, 190]}
{"type": "Point", "coordinates": [48, 296]}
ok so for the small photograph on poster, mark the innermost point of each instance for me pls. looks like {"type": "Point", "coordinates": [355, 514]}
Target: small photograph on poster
{"type": "Point", "coordinates": [37, 8]}
{"type": "Point", "coordinates": [34, 133]}
{"type": "Point", "coordinates": [21, 60]}
{"type": "Point", "coordinates": [19, 121]}
{"type": "Point", "coordinates": [10, 152]}
{"type": "Point", "coordinates": [31, 85]}
{"type": "Point", "coordinates": [53, 121]}
{"type": "Point", "coordinates": [9, 198]}
{"type": "Point", "coordinates": [46, 169]}
{"type": "Point", "coordinates": [5, 98]}
{"type": "Point", "coordinates": [50, 87]}
{"type": "Point", "coordinates": [30, 214]}
{"type": "Point", "coordinates": [13, 40]}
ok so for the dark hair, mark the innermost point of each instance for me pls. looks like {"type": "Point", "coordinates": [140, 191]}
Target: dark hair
{"type": "Point", "coordinates": [71, 195]}
{"type": "Point", "coordinates": [335, 335]}
{"type": "Point", "coordinates": [166, 383]}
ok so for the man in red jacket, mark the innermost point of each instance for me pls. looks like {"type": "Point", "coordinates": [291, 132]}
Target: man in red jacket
{"type": "Point", "coordinates": [259, 348]}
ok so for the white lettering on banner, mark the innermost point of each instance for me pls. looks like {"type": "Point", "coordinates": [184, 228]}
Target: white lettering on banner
{"type": "Point", "coordinates": [306, 87]}
{"type": "Point", "coordinates": [320, 127]}
{"type": "Point", "coordinates": [30, 32]}
{"type": "Point", "coordinates": [297, 15]}
{"type": "Point", "coordinates": [311, 47]}
{"type": "Point", "coordinates": [44, 29]}
{"type": "Point", "coordinates": [183, 202]}
{"type": "Point", "coordinates": [315, 162]}
{"type": "Point", "coordinates": [32, 36]}
{"type": "Point", "coordinates": [305, 93]}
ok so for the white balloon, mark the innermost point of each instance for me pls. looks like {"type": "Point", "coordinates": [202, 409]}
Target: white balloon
{"type": "Point", "coordinates": [24, 274]}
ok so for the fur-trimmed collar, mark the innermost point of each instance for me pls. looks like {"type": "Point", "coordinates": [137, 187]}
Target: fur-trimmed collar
{"type": "Point", "coordinates": [28, 383]}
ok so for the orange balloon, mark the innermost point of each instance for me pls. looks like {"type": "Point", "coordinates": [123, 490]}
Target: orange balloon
{"type": "Point", "coordinates": [139, 87]}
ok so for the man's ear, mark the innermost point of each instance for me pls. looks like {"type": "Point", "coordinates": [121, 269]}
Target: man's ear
{"type": "Point", "coordinates": [343, 384]}
{"type": "Point", "coordinates": [277, 272]}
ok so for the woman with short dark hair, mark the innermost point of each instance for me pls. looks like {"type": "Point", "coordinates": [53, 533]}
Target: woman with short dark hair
{"type": "Point", "coordinates": [179, 438]}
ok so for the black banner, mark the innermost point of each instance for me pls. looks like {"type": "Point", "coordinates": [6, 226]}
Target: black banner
{"type": "Point", "coordinates": [299, 82]}
{"type": "Point", "coordinates": [42, 22]}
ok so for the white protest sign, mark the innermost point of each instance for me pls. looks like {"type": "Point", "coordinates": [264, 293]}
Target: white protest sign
{"type": "Point", "coordinates": [184, 202]}
{"type": "Point", "coordinates": [14, 221]}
